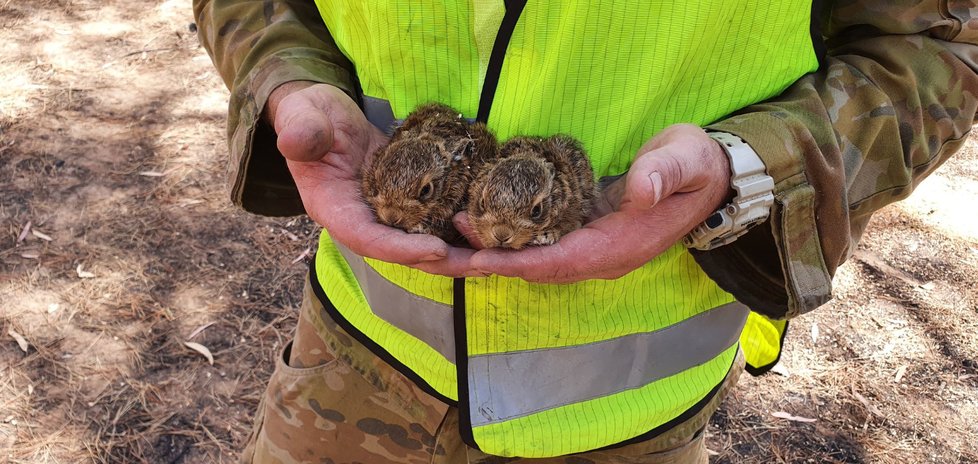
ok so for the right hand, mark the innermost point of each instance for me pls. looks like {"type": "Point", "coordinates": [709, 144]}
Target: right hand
{"type": "Point", "coordinates": [325, 138]}
{"type": "Point", "coordinates": [678, 179]}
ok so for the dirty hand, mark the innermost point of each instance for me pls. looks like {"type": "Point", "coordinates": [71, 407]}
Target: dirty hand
{"type": "Point", "coordinates": [325, 139]}
{"type": "Point", "coordinates": [679, 178]}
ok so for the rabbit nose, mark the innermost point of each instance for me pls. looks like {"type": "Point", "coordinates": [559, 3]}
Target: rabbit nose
{"type": "Point", "coordinates": [389, 217]}
{"type": "Point", "coordinates": [502, 234]}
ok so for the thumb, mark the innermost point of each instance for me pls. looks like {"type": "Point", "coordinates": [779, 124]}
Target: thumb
{"type": "Point", "coordinates": [305, 132]}
{"type": "Point", "coordinates": [653, 176]}
{"type": "Point", "coordinates": [462, 224]}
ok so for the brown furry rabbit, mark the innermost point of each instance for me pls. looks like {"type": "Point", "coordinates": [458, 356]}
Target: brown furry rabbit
{"type": "Point", "coordinates": [420, 179]}
{"type": "Point", "coordinates": [537, 190]}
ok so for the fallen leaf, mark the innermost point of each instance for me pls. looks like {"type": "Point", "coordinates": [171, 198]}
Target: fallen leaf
{"type": "Point", "coordinates": [711, 452]}
{"type": "Point", "coordinates": [41, 235]}
{"type": "Point", "coordinates": [202, 350]}
{"type": "Point", "coordinates": [30, 389]}
{"type": "Point", "coordinates": [151, 173]}
{"type": "Point", "coordinates": [877, 263]}
{"type": "Point", "coordinates": [30, 255]}
{"type": "Point", "coordinates": [899, 374]}
{"type": "Point", "coordinates": [290, 235]}
{"type": "Point", "coordinates": [20, 339]}
{"type": "Point", "coordinates": [814, 332]}
{"type": "Point", "coordinates": [966, 377]}
{"type": "Point", "coordinates": [83, 274]}
{"type": "Point", "coordinates": [199, 330]}
{"type": "Point", "coordinates": [302, 256]}
{"type": "Point", "coordinates": [781, 370]}
{"type": "Point", "coordinates": [23, 233]}
{"type": "Point", "coordinates": [928, 285]}
{"type": "Point", "coordinates": [869, 406]}
{"type": "Point", "coordinates": [793, 418]}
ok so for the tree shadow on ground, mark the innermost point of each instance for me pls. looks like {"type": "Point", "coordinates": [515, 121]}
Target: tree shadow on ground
{"type": "Point", "coordinates": [132, 245]}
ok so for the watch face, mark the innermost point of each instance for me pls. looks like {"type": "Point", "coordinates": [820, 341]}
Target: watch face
{"type": "Point", "coordinates": [714, 221]}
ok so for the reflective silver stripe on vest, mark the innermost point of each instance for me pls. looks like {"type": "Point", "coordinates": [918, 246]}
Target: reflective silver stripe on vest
{"type": "Point", "coordinates": [501, 387]}
{"type": "Point", "coordinates": [506, 386]}
{"type": "Point", "coordinates": [422, 318]}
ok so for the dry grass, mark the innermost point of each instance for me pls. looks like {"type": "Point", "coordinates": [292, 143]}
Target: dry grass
{"type": "Point", "coordinates": [96, 95]}
{"type": "Point", "coordinates": [85, 116]}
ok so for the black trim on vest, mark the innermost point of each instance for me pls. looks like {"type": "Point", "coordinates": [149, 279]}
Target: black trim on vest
{"type": "Point", "coordinates": [758, 371]}
{"type": "Point", "coordinates": [686, 415]}
{"type": "Point", "coordinates": [366, 341]}
{"type": "Point", "coordinates": [462, 364]}
{"type": "Point", "coordinates": [513, 10]}
{"type": "Point", "coordinates": [818, 42]}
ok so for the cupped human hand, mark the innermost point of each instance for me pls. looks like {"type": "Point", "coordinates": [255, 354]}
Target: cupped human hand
{"type": "Point", "coordinates": [678, 179]}
{"type": "Point", "coordinates": [325, 138]}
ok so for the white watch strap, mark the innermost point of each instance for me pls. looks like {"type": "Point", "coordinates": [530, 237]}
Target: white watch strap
{"type": "Point", "coordinates": [752, 203]}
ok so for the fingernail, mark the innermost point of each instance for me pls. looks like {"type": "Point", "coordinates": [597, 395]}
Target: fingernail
{"type": "Point", "coordinates": [656, 180]}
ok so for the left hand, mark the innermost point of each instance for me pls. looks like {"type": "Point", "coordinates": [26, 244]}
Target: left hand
{"type": "Point", "coordinates": [679, 178]}
{"type": "Point", "coordinates": [325, 138]}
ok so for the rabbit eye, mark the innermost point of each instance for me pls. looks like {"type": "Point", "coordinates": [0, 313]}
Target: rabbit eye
{"type": "Point", "coordinates": [536, 212]}
{"type": "Point", "coordinates": [426, 191]}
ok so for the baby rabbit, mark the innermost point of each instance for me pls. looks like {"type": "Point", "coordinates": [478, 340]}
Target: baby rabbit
{"type": "Point", "coordinates": [419, 180]}
{"type": "Point", "coordinates": [535, 192]}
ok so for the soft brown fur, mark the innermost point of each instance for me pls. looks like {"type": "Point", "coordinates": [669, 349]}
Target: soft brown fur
{"type": "Point", "coordinates": [553, 174]}
{"type": "Point", "coordinates": [437, 148]}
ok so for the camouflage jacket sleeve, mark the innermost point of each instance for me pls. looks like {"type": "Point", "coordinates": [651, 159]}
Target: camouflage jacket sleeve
{"type": "Point", "coordinates": [895, 97]}
{"type": "Point", "coordinates": [257, 45]}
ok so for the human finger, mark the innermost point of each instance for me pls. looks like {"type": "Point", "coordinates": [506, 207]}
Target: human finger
{"type": "Point", "coordinates": [586, 253]}
{"type": "Point", "coordinates": [457, 263]}
{"type": "Point", "coordinates": [462, 224]}
{"type": "Point", "coordinates": [681, 158]}
{"type": "Point", "coordinates": [336, 205]}
{"type": "Point", "coordinates": [305, 132]}
{"type": "Point", "coordinates": [357, 229]}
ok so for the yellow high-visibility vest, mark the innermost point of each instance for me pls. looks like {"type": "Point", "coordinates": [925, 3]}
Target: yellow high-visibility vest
{"type": "Point", "coordinates": [546, 370]}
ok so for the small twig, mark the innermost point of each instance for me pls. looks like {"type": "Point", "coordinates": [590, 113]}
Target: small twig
{"type": "Point", "coordinates": [220, 447]}
{"type": "Point", "coordinates": [151, 50]}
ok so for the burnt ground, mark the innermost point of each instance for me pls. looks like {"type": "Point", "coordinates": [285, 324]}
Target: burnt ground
{"type": "Point", "coordinates": [118, 244]}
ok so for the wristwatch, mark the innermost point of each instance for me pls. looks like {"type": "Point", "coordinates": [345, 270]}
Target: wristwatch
{"type": "Point", "coordinates": [751, 205]}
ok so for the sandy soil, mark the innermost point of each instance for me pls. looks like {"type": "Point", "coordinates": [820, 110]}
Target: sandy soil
{"type": "Point", "coordinates": [118, 244]}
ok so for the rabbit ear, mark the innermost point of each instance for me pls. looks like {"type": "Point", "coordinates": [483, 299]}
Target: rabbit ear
{"type": "Point", "coordinates": [563, 142]}
{"type": "Point", "coordinates": [568, 146]}
{"type": "Point", "coordinates": [521, 144]}
{"type": "Point", "coordinates": [461, 148]}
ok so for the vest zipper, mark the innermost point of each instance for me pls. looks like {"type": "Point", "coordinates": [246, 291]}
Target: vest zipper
{"type": "Point", "coordinates": [514, 8]}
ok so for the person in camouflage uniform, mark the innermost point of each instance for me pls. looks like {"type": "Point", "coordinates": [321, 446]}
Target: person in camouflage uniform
{"type": "Point", "coordinates": [895, 97]}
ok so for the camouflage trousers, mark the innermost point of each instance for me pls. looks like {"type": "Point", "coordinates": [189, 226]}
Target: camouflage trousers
{"type": "Point", "coordinates": [331, 400]}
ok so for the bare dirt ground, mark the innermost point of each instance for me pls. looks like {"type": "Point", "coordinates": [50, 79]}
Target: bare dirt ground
{"type": "Point", "coordinates": [118, 244]}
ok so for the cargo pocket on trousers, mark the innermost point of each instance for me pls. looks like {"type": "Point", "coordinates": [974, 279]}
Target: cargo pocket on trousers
{"type": "Point", "coordinates": [291, 411]}
{"type": "Point", "coordinates": [332, 412]}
